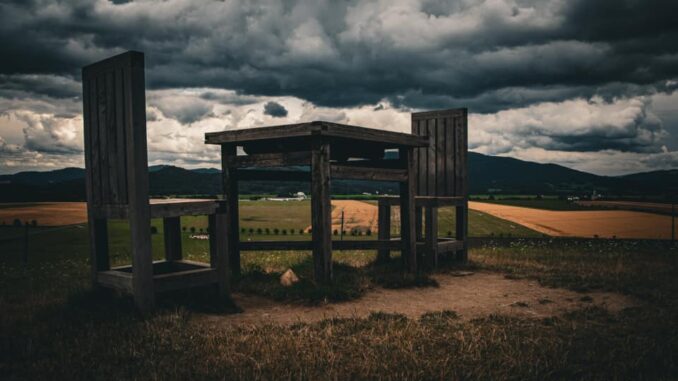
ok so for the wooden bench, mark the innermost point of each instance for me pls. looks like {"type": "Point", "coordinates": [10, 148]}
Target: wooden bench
{"type": "Point", "coordinates": [116, 162]}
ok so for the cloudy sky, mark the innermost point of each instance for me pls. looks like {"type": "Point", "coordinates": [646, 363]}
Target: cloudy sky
{"type": "Point", "coordinates": [587, 84]}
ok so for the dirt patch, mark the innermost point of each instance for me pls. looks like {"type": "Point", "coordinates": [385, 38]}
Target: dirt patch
{"type": "Point", "coordinates": [470, 296]}
{"type": "Point", "coordinates": [46, 214]}
{"type": "Point", "coordinates": [357, 215]}
{"type": "Point", "coordinates": [601, 223]}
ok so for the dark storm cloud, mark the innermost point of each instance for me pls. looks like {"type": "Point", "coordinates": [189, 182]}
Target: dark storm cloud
{"type": "Point", "coordinates": [275, 110]}
{"type": "Point", "coordinates": [352, 53]}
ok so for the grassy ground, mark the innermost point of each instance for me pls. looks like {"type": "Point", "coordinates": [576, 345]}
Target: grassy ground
{"type": "Point", "coordinates": [53, 326]}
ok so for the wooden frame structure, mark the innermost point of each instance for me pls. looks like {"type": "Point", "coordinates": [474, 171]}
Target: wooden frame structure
{"type": "Point", "coordinates": [116, 162]}
{"type": "Point", "coordinates": [332, 151]}
{"type": "Point", "coordinates": [442, 181]}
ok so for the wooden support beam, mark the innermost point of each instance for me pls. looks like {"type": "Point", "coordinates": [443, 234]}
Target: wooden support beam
{"type": "Point", "coordinates": [218, 233]}
{"type": "Point", "coordinates": [267, 175]}
{"type": "Point", "coordinates": [269, 159]}
{"type": "Point", "coordinates": [359, 244]}
{"type": "Point", "coordinates": [321, 210]}
{"type": "Point", "coordinates": [172, 234]}
{"type": "Point", "coordinates": [116, 280]}
{"type": "Point", "coordinates": [230, 189]}
{"type": "Point", "coordinates": [366, 173]}
{"type": "Point", "coordinates": [462, 230]}
{"type": "Point", "coordinates": [98, 235]}
{"type": "Point", "coordinates": [384, 227]}
{"type": "Point", "coordinates": [425, 201]}
{"type": "Point", "coordinates": [431, 252]}
{"type": "Point", "coordinates": [275, 245]}
{"type": "Point", "coordinates": [407, 206]}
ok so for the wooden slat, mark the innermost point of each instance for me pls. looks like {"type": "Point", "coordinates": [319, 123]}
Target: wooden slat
{"type": "Point", "coordinates": [424, 201]}
{"type": "Point", "coordinates": [172, 237]}
{"type": "Point", "coordinates": [120, 113]}
{"type": "Point", "coordinates": [275, 245]}
{"type": "Point", "coordinates": [431, 251]}
{"type": "Point", "coordinates": [111, 148]}
{"type": "Point", "coordinates": [95, 146]}
{"type": "Point", "coordinates": [384, 227]}
{"type": "Point", "coordinates": [321, 210]}
{"type": "Point", "coordinates": [458, 156]}
{"type": "Point", "coordinates": [137, 170]}
{"type": "Point", "coordinates": [407, 206]}
{"type": "Point", "coordinates": [272, 175]}
{"type": "Point", "coordinates": [362, 173]}
{"type": "Point", "coordinates": [230, 188]}
{"type": "Point", "coordinates": [184, 279]}
{"type": "Point", "coordinates": [441, 173]}
{"type": "Point", "coordinates": [431, 159]}
{"type": "Point", "coordinates": [449, 157]}
{"type": "Point", "coordinates": [104, 157]}
{"type": "Point", "coordinates": [450, 246]}
{"type": "Point", "coordinates": [219, 251]}
{"type": "Point", "coordinates": [270, 160]}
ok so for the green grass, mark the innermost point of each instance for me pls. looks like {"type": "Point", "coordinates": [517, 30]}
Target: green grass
{"type": "Point", "coordinates": [53, 326]}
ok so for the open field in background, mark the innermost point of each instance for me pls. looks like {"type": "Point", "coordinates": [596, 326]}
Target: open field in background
{"type": "Point", "coordinates": [288, 216]}
{"type": "Point", "coordinates": [653, 207]}
{"type": "Point", "coordinates": [598, 223]}
{"type": "Point", "coordinates": [612, 316]}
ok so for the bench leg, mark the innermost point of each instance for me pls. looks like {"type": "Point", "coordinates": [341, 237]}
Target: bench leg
{"type": "Point", "coordinates": [384, 226]}
{"type": "Point", "coordinates": [219, 252]}
{"type": "Point", "coordinates": [432, 236]}
{"type": "Point", "coordinates": [172, 233]}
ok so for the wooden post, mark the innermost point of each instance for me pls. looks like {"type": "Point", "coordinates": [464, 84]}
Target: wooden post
{"type": "Point", "coordinates": [98, 237]}
{"type": "Point", "coordinates": [230, 187]}
{"type": "Point", "coordinates": [137, 180]}
{"type": "Point", "coordinates": [407, 207]}
{"type": "Point", "coordinates": [384, 226]}
{"type": "Point", "coordinates": [25, 256]}
{"type": "Point", "coordinates": [462, 230]}
{"type": "Point", "coordinates": [219, 250]}
{"type": "Point", "coordinates": [321, 210]}
{"type": "Point", "coordinates": [418, 214]}
{"type": "Point", "coordinates": [172, 233]}
{"type": "Point", "coordinates": [431, 236]}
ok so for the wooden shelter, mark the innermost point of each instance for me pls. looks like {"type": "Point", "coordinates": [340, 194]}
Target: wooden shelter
{"type": "Point", "coordinates": [442, 180]}
{"type": "Point", "coordinates": [116, 162]}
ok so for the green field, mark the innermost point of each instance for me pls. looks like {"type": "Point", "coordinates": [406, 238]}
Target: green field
{"type": "Point", "coordinates": [53, 326]}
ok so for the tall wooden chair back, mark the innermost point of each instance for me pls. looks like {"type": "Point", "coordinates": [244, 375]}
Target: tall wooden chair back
{"type": "Point", "coordinates": [114, 110]}
{"type": "Point", "coordinates": [441, 167]}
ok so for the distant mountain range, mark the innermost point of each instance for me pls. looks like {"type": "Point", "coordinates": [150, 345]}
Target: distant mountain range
{"type": "Point", "coordinates": [487, 174]}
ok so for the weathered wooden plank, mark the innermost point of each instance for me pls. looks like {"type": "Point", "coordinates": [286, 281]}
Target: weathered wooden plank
{"type": "Point", "coordinates": [98, 229]}
{"type": "Point", "coordinates": [462, 231]}
{"type": "Point", "coordinates": [270, 160]}
{"type": "Point", "coordinates": [230, 189]}
{"type": "Point", "coordinates": [218, 230]}
{"type": "Point", "coordinates": [371, 134]}
{"type": "Point", "coordinates": [111, 148]}
{"type": "Point", "coordinates": [172, 235]}
{"type": "Point", "coordinates": [449, 157]}
{"type": "Point", "coordinates": [407, 206]}
{"type": "Point", "coordinates": [431, 252]}
{"type": "Point", "coordinates": [418, 222]}
{"type": "Point", "coordinates": [441, 170]}
{"type": "Point", "coordinates": [384, 227]}
{"type": "Point", "coordinates": [137, 169]}
{"type": "Point", "coordinates": [321, 210]}
{"type": "Point", "coordinates": [275, 245]}
{"type": "Point", "coordinates": [104, 155]}
{"type": "Point", "coordinates": [121, 163]}
{"type": "Point", "coordinates": [424, 201]}
{"type": "Point", "coordinates": [450, 246]}
{"type": "Point", "coordinates": [272, 175]}
{"type": "Point", "coordinates": [261, 133]}
{"type": "Point", "coordinates": [431, 159]}
{"type": "Point", "coordinates": [95, 146]}
{"type": "Point", "coordinates": [363, 173]}
{"type": "Point", "coordinates": [380, 244]}
{"type": "Point", "coordinates": [163, 208]}
{"type": "Point", "coordinates": [458, 156]}
{"type": "Point", "coordinates": [185, 279]}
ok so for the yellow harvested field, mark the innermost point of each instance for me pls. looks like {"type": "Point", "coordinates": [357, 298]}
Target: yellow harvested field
{"type": "Point", "coordinates": [46, 213]}
{"type": "Point", "coordinates": [603, 223]}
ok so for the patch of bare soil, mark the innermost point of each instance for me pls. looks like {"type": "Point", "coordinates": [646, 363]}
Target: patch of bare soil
{"type": "Point", "coordinates": [47, 214]}
{"type": "Point", "coordinates": [475, 295]}
{"type": "Point", "coordinates": [601, 223]}
{"type": "Point", "coordinates": [357, 215]}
